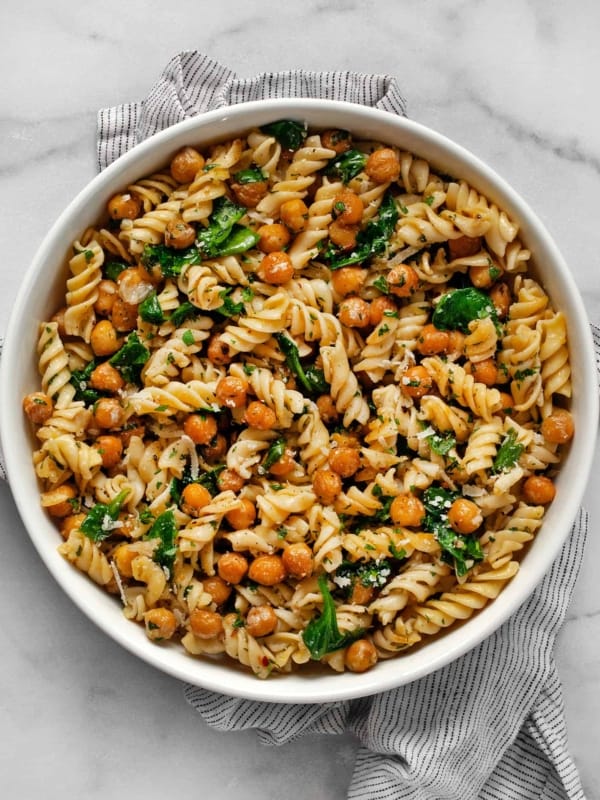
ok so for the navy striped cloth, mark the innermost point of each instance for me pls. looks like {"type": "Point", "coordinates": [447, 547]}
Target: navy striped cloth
{"type": "Point", "coordinates": [489, 725]}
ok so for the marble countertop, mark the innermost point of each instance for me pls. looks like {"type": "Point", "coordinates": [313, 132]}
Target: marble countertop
{"type": "Point", "coordinates": [514, 82]}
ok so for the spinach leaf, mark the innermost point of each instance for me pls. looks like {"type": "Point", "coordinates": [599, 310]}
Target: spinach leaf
{"type": "Point", "coordinates": [250, 175]}
{"type": "Point", "coordinates": [229, 307]}
{"type": "Point", "coordinates": [113, 269]}
{"type": "Point", "coordinates": [461, 550]}
{"type": "Point", "coordinates": [98, 523]}
{"type": "Point", "coordinates": [80, 380]}
{"type": "Point", "coordinates": [371, 240]}
{"type": "Point", "coordinates": [169, 260]}
{"type": "Point", "coordinates": [508, 453]}
{"type": "Point", "coordinates": [130, 359]}
{"type": "Point", "coordinates": [150, 311]}
{"type": "Point", "coordinates": [224, 236]}
{"type": "Point", "coordinates": [289, 133]}
{"type": "Point", "coordinates": [322, 635]}
{"type": "Point", "coordinates": [456, 309]}
{"type": "Point", "coordinates": [311, 378]}
{"type": "Point", "coordinates": [165, 529]}
{"type": "Point", "coordinates": [441, 443]}
{"type": "Point", "coordinates": [347, 165]}
{"type": "Point", "coordinates": [208, 479]}
{"type": "Point", "coordinates": [274, 453]}
{"type": "Point", "coordinates": [183, 312]}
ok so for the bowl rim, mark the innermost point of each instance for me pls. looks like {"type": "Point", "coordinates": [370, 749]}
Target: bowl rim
{"type": "Point", "coordinates": [295, 688]}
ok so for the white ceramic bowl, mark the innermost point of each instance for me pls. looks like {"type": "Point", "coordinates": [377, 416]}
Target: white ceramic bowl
{"type": "Point", "coordinates": [42, 291]}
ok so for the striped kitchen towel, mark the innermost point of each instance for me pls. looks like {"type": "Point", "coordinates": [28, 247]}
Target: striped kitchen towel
{"type": "Point", "coordinates": [489, 725]}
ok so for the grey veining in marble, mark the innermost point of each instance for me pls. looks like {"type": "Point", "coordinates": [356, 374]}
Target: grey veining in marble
{"type": "Point", "coordinates": [515, 82]}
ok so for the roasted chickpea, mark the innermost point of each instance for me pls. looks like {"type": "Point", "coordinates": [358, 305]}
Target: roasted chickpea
{"type": "Point", "coordinates": [464, 516]}
{"type": "Point", "coordinates": [201, 428]}
{"type": "Point", "coordinates": [501, 297]}
{"type": "Point", "coordinates": [558, 427]}
{"type": "Point", "coordinates": [381, 307]}
{"type": "Point", "coordinates": [193, 498]}
{"type": "Point", "coordinates": [484, 277]}
{"type": "Point", "coordinates": [347, 208]}
{"type": "Point", "coordinates": [57, 501]}
{"type": "Point", "coordinates": [354, 312]}
{"type": "Point", "coordinates": [232, 392]}
{"type": "Point", "coordinates": [205, 624]}
{"type": "Point", "coordinates": [407, 510]}
{"type": "Point", "coordinates": [276, 268]}
{"type": "Point", "coordinates": [160, 623]}
{"type": "Point", "coordinates": [104, 339]}
{"type": "Point", "coordinates": [360, 594]}
{"type": "Point", "coordinates": [179, 234]}
{"type": "Point", "coordinates": [108, 413]}
{"type": "Point", "coordinates": [72, 522]}
{"type": "Point", "coordinates": [348, 280]}
{"type": "Point", "coordinates": [383, 165]}
{"type": "Point", "coordinates": [432, 340]}
{"type": "Point", "coordinates": [259, 415]}
{"type": "Point", "coordinates": [360, 656]}
{"type": "Point", "coordinates": [216, 448]}
{"type": "Point", "coordinates": [250, 194]}
{"type": "Point", "coordinates": [267, 570]}
{"type": "Point", "coordinates": [123, 557]}
{"type": "Point", "coordinates": [132, 428]}
{"type": "Point", "coordinates": [232, 567]}
{"type": "Point", "coordinates": [38, 407]}
{"type": "Point", "coordinates": [242, 517]}
{"type": "Point", "coordinates": [217, 589]}
{"type": "Point", "coordinates": [229, 480]}
{"type": "Point", "coordinates": [538, 490]}
{"type": "Point", "coordinates": [298, 560]}
{"type": "Point", "coordinates": [134, 284]}
{"type": "Point", "coordinates": [111, 450]}
{"type": "Point", "coordinates": [485, 371]}
{"type": "Point", "coordinates": [106, 378]}
{"type": "Point", "coordinates": [344, 236]}
{"type": "Point", "coordinates": [273, 237]}
{"type": "Point", "coordinates": [464, 246]}
{"type": "Point", "coordinates": [218, 351]}
{"type": "Point", "coordinates": [284, 465]}
{"type": "Point", "coordinates": [261, 620]}
{"type": "Point", "coordinates": [327, 409]}
{"type": "Point", "coordinates": [294, 214]}
{"type": "Point", "coordinates": [186, 164]}
{"type": "Point", "coordinates": [344, 461]}
{"type": "Point", "coordinates": [107, 294]}
{"type": "Point", "coordinates": [124, 206]}
{"type": "Point", "coordinates": [403, 280]}
{"type": "Point", "coordinates": [456, 343]}
{"type": "Point", "coordinates": [123, 316]}
{"type": "Point", "coordinates": [337, 139]}
{"type": "Point", "coordinates": [416, 382]}
{"type": "Point", "coordinates": [507, 403]}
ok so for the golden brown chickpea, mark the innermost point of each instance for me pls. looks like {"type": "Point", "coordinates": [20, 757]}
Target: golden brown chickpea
{"type": "Point", "coordinates": [56, 501]}
{"type": "Point", "coordinates": [538, 490]}
{"type": "Point", "coordinates": [160, 623]}
{"type": "Point", "coordinates": [360, 656]}
{"type": "Point", "coordinates": [218, 351]}
{"type": "Point", "coordinates": [485, 371]}
{"type": "Point", "coordinates": [416, 382]}
{"type": "Point", "coordinates": [111, 450]}
{"type": "Point", "coordinates": [298, 560]}
{"type": "Point", "coordinates": [456, 343]}
{"type": "Point", "coordinates": [231, 392]}
{"type": "Point", "coordinates": [217, 589]}
{"type": "Point", "coordinates": [71, 523]}
{"type": "Point", "coordinates": [186, 164]}
{"type": "Point", "coordinates": [383, 165]}
{"type": "Point", "coordinates": [201, 428]}
{"type": "Point", "coordinates": [294, 214]}
{"type": "Point", "coordinates": [132, 428]}
{"type": "Point", "coordinates": [273, 237]}
{"type": "Point", "coordinates": [326, 485]}
{"type": "Point", "coordinates": [432, 340]}
{"type": "Point", "coordinates": [283, 466]}
{"type": "Point", "coordinates": [104, 339]}
{"type": "Point", "coordinates": [348, 280]}
{"type": "Point", "coordinates": [464, 246]}
{"type": "Point", "coordinates": [261, 620]}
{"type": "Point", "coordinates": [216, 448]}
{"type": "Point", "coordinates": [407, 510]}
{"type": "Point", "coordinates": [38, 407]}
{"type": "Point", "coordinates": [194, 498]}
{"type": "Point", "coordinates": [501, 297]}
{"type": "Point", "coordinates": [558, 427]}
{"type": "Point", "coordinates": [381, 307]}
{"type": "Point", "coordinates": [403, 280]}
{"type": "Point", "coordinates": [276, 268]}
{"type": "Point", "coordinates": [106, 378]}
{"type": "Point", "coordinates": [123, 316]}
{"type": "Point", "coordinates": [327, 409]}
{"type": "Point", "coordinates": [107, 294]}
{"type": "Point", "coordinates": [267, 570]}
{"type": "Point", "coordinates": [344, 461]}
{"type": "Point", "coordinates": [484, 277]}
{"type": "Point", "coordinates": [179, 234]}
{"type": "Point", "coordinates": [108, 413]}
{"type": "Point", "coordinates": [347, 208]}
{"type": "Point", "coordinates": [507, 403]}
{"type": "Point", "coordinates": [134, 284]}
{"type": "Point", "coordinates": [344, 236]}
{"type": "Point", "coordinates": [229, 480]}
{"type": "Point", "coordinates": [360, 594]}
{"type": "Point", "coordinates": [259, 415]}
{"type": "Point", "coordinates": [205, 624]}
{"type": "Point", "coordinates": [232, 567]}
{"type": "Point", "coordinates": [345, 440]}
{"type": "Point", "coordinates": [249, 195]}
{"type": "Point", "coordinates": [124, 206]}
{"type": "Point", "coordinates": [123, 557]}
{"type": "Point", "coordinates": [354, 312]}
{"type": "Point", "coordinates": [242, 517]}
{"type": "Point", "coordinates": [464, 516]}
{"type": "Point", "coordinates": [337, 139]}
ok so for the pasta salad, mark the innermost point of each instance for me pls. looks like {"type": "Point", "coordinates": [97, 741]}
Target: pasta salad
{"type": "Point", "coordinates": [304, 400]}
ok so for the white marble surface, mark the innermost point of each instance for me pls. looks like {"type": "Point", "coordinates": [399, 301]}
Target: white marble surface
{"type": "Point", "coordinates": [516, 82]}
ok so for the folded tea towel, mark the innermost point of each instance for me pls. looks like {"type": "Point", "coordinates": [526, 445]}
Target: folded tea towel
{"type": "Point", "coordinates": [489, 725]}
